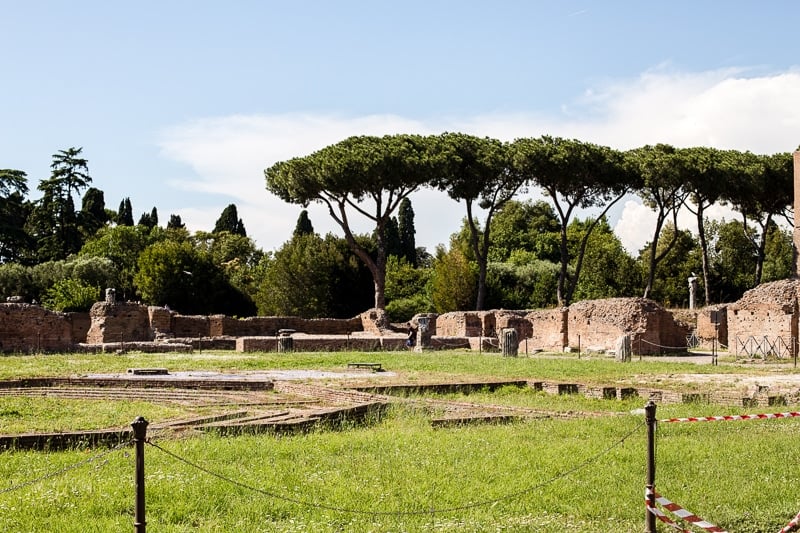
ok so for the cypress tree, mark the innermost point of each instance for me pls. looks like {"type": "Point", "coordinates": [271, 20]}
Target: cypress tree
{"type": "Point", "coordinates": [408, 245]}
{"type": "Point", "coordinates": [125, 213]}
{"type": "Point", "coordinates": [303, 226]}
{"type": "Point", "coordinates": [229, 221]}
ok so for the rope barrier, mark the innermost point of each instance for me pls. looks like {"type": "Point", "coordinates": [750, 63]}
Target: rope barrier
{"type": "Point", "coordinates": [733, 417]}
{"type": "Point", "coordinates": [663, 346]}
{"type": "Point", "coordinates": [464, 344]}
{"type": "Point", "coordinates": [64, 470]}
{"type": "Point", "coordinates": [678, 511]}
{"type": "Point", "coordinates": [792, 525]}
{"type": "Point", "coordinates": [429, 511]}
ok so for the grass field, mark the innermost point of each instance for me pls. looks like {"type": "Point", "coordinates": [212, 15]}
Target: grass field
{"type": "Point", "coordinates": [583, 474]}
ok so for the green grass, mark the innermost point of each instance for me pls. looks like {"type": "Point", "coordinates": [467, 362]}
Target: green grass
{"type": "Point", "coordinates": [541, 475]}
{"type": "Point", "coordinates": [430, 366]}
{"type": "Point", "coordinates": [584, 474]}
{"type": "Point", "coordinates": [23, 414]}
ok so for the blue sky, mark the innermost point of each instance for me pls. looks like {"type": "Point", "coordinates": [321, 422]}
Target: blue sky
{"type": "Point", "coordinates": [182, 104]}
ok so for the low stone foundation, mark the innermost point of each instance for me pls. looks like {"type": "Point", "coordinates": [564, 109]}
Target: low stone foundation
{"type": "Point", "coordinates": [327, 343]}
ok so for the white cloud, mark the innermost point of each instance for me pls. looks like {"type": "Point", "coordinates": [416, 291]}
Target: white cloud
{"type": "Point", "coordinates": [636, 223]}
{"type": "Point", "coordinates": [635, 226]}
{"type": "Point", "coordinates": [721, 108]}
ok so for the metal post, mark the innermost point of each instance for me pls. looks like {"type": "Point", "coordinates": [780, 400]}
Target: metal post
{"type": "Point", "coordinates": [139, 435]}
{"type": "Point", "coordinates": [650, 419]}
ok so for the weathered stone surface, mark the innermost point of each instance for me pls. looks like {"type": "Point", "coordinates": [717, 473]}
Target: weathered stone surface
{"type": "Point", "coordinates": [548, 329]}
{"type": "Point", "coordinates": [118, 322]}
{"type": "Point", "coordinates": [768, 313]}
{"type": "Point", "coordinates": [623, 351]}
{"type": "Point", "coordinates": [653, 329]}
{"type": "Point", "coordinates": [31, 328]}
{"type": "Point", "coordinates": [375, 321]}
{"type": "Point", "coordinates": [322, 343]}
{"type": "Point", "coordinates": [459, 324]}
{"type": "Point", "coordinates": [707, 331]}
{"type": "Point", "coordinates": [509, 342]}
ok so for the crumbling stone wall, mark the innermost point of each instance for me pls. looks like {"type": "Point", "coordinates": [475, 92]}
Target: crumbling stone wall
{"type": "Point", "coordinates": [707, 331]}
{"type": "Point", "coordinates": [548, 329]}
{"type": "Point", "coordinates": [80, 324]}
{"type": "Point", "coordinates": [599, 323]}
{"type": "Point", "coordinates": [191, 326]}
{"type": "Point", "coordinates": [31, 328]}
{"type": "Point", "coordinates": [375, 321]}
{"type": "Point", "coordinates": [160, 319]}
{"type": "Point", "coordinates": [119, 322]}
{"type": "Point", "coordinates": [767, 312]}
{"type": "Point", "coordinates": [513, 319]}
{"type": "Point", "coordinates": [459, 324]}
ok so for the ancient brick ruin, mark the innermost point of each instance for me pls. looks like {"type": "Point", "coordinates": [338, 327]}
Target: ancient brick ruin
{"type": "Point", "coordinates": [764, 322]}
{"type": "Point", "coordinates": [30, 328]}
{"type": "Point", "coordinates": [595, 325]}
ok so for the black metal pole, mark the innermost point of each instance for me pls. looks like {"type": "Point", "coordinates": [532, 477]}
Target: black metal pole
{"type": "Point", "coordinates": [139, 435]}
{"type": "Point", "coordinates": [650, 419]}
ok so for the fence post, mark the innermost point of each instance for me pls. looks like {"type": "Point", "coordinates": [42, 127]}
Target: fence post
{"type": "Point", "coordinates": [139, 435]}
{"type": "Point", "coordinates": [650, 419]}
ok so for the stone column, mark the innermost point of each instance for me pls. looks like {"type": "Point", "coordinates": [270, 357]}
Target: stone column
{"type": "Point", "coordinates": [509, 343]}
{"type": "Point", "coordinates": [796, 236]}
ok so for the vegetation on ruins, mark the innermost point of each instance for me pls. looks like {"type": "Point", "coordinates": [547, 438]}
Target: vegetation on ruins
{"type": "Point", "coordinates": [522, 254]}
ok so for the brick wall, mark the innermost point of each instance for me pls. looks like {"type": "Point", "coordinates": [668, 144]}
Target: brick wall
{"type": "Point", "coordinates": [599, 323]}
{"type": "Point", "coordinates": [160, 319]}
{"type": "Point", "coordinates": [118, 322]}
{"type": "Point", "coordinates": [548, 329]}
{"type": "Point", "coordinates": [80, 324]}
{"type": "Point", "coordinates": [767, 312]}
{"type": "Point", "coordinates": [706, 330]}
{"type": "Point", "coordinates": [459, 324]}
{"type": "Point", "coordinates": [31, 328]}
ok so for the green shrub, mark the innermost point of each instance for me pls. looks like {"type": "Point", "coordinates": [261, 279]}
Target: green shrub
{"type": "Point", "coordinates": [70, 295]}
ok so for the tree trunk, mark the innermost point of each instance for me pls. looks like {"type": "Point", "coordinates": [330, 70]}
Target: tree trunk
{"type": "Point", "coordinates": [480, 299]}
{"type": "Point", "coordinates": [562, 277]}
{"type": "Point", "coordinates": [701, 233]}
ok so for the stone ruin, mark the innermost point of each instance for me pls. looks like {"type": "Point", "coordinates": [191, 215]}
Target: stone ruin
{"type": "Point", "coordinates": [31, 328]}
{"type": "Point", "coordinates": [764, 322]}
{"type": "Point", "coordinates": [588, 326]}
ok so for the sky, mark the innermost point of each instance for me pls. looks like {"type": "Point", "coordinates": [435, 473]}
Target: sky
{"type": "Point", "coordinates": [182, 104]}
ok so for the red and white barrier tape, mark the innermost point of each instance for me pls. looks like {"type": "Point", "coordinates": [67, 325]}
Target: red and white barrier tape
{"type": "Point", "coordinates": [791, 526]}
{"type": "Point", "coordinates": [678, 511]}
{"type": "Point", "coordinates": [733, 417]}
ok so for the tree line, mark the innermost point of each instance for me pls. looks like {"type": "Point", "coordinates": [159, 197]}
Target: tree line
{"type": "Point", "coordinates": [370, 176]}
{"type": "Point", "coordinates": [519, 255]}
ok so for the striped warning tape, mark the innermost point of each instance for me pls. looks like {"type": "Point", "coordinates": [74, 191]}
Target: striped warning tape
{"type": "Point", "coordinates": [678, 511]}
{"type": "Point", "coordinates": [791, 526]}
{"type": "Point", "coordinates": [732, 417]}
